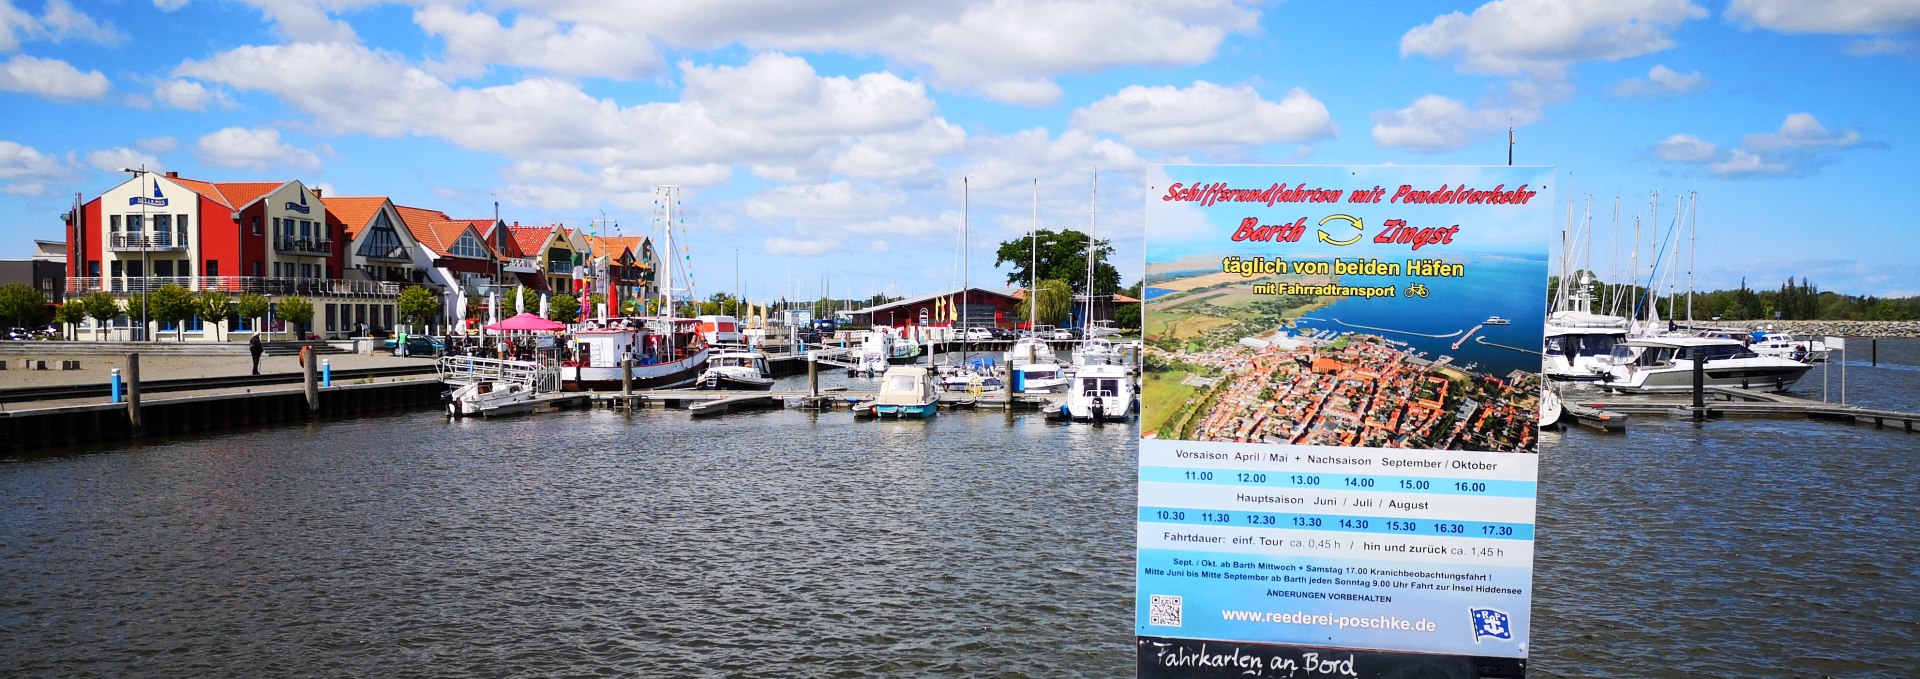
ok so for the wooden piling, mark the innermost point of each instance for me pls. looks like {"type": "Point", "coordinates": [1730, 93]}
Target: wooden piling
{"type": "Point", "coordinates": [133, 393]}
{"type": "Point", "coordinates": [311, 369]}
{"type": "Point", "coordinates": [1699, 390]}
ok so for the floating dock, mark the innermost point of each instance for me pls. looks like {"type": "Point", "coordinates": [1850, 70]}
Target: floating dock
{"type": "Point", "coordinates": [1610, 414]}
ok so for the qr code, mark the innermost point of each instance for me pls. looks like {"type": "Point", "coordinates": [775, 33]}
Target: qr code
{"type": "Point", "coordinates": [1163, 610]}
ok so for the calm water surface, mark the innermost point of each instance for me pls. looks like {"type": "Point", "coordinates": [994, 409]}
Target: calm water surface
{"type": "Point", "coordinates": [794, 544]}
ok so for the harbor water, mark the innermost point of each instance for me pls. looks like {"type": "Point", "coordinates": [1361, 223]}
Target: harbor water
{"type": "Point", "coordinates": [789, 543]}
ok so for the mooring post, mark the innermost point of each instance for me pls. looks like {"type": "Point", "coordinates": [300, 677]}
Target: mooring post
{"type": "Point", "coordinates": [326, 372]}
{"type": "Point", "coordinates": [116, 386]}
{"type": "Point", "coordinates": [133, 394]}
{"type": "Point", "coordinates": [813, 376]}
{"type": "Point", "coordinates": [1699, 390]}
{"type": "Point", "coordinates": [626, 383]}
{"type": "Point", "coordinates": [1873, 351]}
{"type": "Point", "coordinates": [311, 374]}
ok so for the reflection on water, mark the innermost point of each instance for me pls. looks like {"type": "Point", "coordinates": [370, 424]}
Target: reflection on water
{"type": "Point", "coordinates": [797, 544]}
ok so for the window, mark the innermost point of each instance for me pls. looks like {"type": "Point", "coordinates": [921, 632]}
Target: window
{"type": "Point", "coordinates": [468, 246]}
{"type": "Point", "coordinates": [113, 224]}
{"type": "Point", "coordinates": [133, 224]}
{"type": "Point", "coordinates": [163, 268]}
{"type": "Point", "coordinates": [256, 263]}
{"type": "Point", "coordinates": [381, 240]}
{"type": "Point", "coordinates": [276, 228]}
{"type": "Point", "coordinates": [163, 228]}
{"type": "Point", "coordinates": [212, 268]}
{"type": "Point", "coordinates": [331, 316]}
{"type": "Point", "coordinates": [118, 270]}
{"type": "Point", "coordinates": [93, 268]}
{"type": "Point", "coordinates": [256, 232]}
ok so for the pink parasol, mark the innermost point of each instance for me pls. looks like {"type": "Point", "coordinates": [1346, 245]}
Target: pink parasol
{"type": "Point", "coordinates": [526, 321]}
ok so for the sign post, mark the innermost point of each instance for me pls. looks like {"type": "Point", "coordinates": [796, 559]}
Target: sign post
{"type": "Point", "coordinates": [1338, 468]}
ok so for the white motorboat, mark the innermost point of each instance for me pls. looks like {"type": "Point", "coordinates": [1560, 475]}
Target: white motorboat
{"type": "Point", "coordinates": [879, 349]}
{"type": "Point", "coordinates": [488, 387]}
{"type": "Point", "coordinates": [1031, 349]}
{"type": "Point", "coordinates": [905, 391]}
{"type": "Point", "coordinates": [1102, 329]}
{"type": "Point", "coordinates": [1099, 393]}
{"type": "Point", "coordinates": [1496, 320]}
{"type": "Point", "coordinates": [1037, 378]}
{"type": "Point", "coordinates": [1665, 364]}
{"type": "Point", "coordinates": [1550, 407]}
{"type": "Point", "coordinates": [1096, 351]}
{"type": "Point", "coordinates": [737, 369]}
{"type": "Point", "coordinates": [977, 376]}
{"type": "Point", "coordinates": [1579, 344]}
{"type": "Point", "coordinates": [1784, 345]}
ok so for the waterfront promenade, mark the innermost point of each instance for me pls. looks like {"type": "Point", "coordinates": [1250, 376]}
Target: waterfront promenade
{"type": "Point", "coordinates": [97, 369]}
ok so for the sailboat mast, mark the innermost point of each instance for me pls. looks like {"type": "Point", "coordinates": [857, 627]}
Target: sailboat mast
{"type": "Point", "coordinates": [965, 280]}
{"type": "Point", "coordinates": [1033, 262]}
{"type": "Point", "coordinates": [1693, 243]}
{"type": "Point", "coordinates": [1093, 230]}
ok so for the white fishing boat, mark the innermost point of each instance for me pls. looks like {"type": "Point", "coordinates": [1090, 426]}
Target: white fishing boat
{"type": "Point", "coordinates": [881, 348]}
{"type": "Point", "coordinates": [735, 368]}
{"type": "Point", "coordinates": [1665, 364]}
{"type": "Point", "coordinates": [1098, 393]}
{"type": "Point", "coordinates": [1037, 378]}
{"type": "Point", "coordinates": [905, 391]}
{"type": "Point", "coordinates": [1096, 351]}
{"type": "Point", "coordinates": [488, 387]}
{"type": "Point", "coordinates": [665, 353]}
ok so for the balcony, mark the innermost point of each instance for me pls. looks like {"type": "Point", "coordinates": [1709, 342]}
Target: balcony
{"type": "Point", "coordinates": [158, 242]}
{"type": "Point", "coordinates": [519, 265]}
{"type": "Point", "coordinates": [303, 246]}
{"type": "Point", "coordinates": [237, 285]}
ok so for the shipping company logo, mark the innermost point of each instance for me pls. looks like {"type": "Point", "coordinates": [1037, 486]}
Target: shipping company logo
{"type": "Point", "coordinates": [300, 207]}
{"type": "Point", "coordinates": [156, 201]}
{"type": "Point", "coordinates": [1488, 622]}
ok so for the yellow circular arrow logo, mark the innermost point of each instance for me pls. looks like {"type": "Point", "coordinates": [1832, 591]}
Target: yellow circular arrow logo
{"type": "Point", "coordinates": [1350, 220]}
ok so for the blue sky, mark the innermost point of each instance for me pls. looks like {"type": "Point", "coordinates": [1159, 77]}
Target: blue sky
{"type": "Point", "coordinates": [834, 137]}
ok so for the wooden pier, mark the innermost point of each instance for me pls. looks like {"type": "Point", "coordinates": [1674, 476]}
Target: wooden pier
{"type": "Point", "coordinates": [1611, 413]}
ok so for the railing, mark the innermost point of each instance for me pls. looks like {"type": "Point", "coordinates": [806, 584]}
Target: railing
{"type": "Point", "coordinates": [236, 285]}
{"type": "Point", "coordinates": [520, 265]}
{"type": "Point", "coordinates": [471, 369]}
{"type": "Point", "coordinates": [312, 246]}
{"type": "Point", "coordinates": [127, 242]}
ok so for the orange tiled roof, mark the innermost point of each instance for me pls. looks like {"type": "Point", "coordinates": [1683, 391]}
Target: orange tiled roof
{"type": "Point", "coordinates": [238, 194]}
{"type": "Point", "coordinates": [528, 241]}
{"type": "Point", "coordinates": [417, 222]}
{"type": "Point", "coordinates": [354, 211]}
{"type": "Point", "coordinates": [603, 245]}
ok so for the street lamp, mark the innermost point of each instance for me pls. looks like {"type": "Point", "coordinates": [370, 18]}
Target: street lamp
{"type": "Point", "coordinates": [146, 260]}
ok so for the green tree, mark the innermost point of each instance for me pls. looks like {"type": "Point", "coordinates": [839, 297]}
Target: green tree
{"type": "Point", "coordinates": [298, 312]}
{"type": "Point", "coordinates": [101, 307]}
{"type": "Point", "coordinates": [529, 303]}
{"type": "Point", "coordinates": [70, 315]}
{"type": "Point", "coordinates": [565, 308]}
{"type": "Point", "coordinates": [1050, 303]}
{"type": "Point", "coordinates": [139, 310]}
{"type": "Point", "coordinates": [173, 303]}
{"type": "Point", "coordinates": [417, 304]}
{"type": "Point", "coordinates": [214, 308]}
{"type": "Point", "coordinates": [252, 306]}
{"type": "Point", "coordinates": [1127, 317]}
{"type": "Point", "coordinates": [1061, 256]}
{"type": "Point", "coordinates": [594, 301]}
{"type": "Point", "coordinates": [21, 304]}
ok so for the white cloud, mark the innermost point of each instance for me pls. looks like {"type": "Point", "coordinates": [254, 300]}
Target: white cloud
{"type": "Point", "coordinates": [118, 157]}
{"type": "Point", "coordinates": [910, 153]}
{"type": "Point", "coordinates": [1800, 131]}
{"type": "Point", "coordinates": [1205, 115]}
{"type": "Point", "coordinates": [474, 40]}
{"type": "Point", "coordinates": [1746, 163]}
{"type": "Point", "coordinates": [1006, 50]}
{"type": "Point", "coordinates": [1878, 45]}
{"type": "Point", "coordinates": [25, 171]}
{"type": "Point", "coordinates": [58, 23]}
{"type": "Point", "coordinates": [1851, 17]}
{"type": "Point", "coordinates": [308, 21]}
{"type": "Point", "coordinates": [255, 150]}
{"type": "Point", "coordinates": [782, 246]}
{"type": "Point", "coordinates": [1512, 36]}
{"type": "Point", "coordinates": [1660, 80]}
{"type": "Point", "coordinates": [158, 144]}
{"type": "Point", "coordinates": [1434, 123]}
{"type": "Point", "coordinates": [879, 247]}
{"type": "Point", "coordinates": [51, 78]}
{"type": "Point", "coordinates": [834, 201]}
{"type": "Point", "coordinates": [169, 5]}
{"type": "Point", "coordinates": [188, 95]}
{"type": "Point", "coordinates": [1685, 148]}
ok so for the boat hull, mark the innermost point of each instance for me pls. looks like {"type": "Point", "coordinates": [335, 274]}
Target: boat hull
{"type": "Point", "coordinates": [658, 376]}
{"type": "Point", "coordinates": [1763, 378]}
{"type": "Point", "coordinates": [721, 381]}
{"type": "Point", "coordinates": [918, 411]}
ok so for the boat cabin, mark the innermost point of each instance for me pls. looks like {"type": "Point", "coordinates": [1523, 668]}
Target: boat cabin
{"type": "Point", "coordinates": [907, 386]}
{"type": "Point", "coordinates": [647, 342]}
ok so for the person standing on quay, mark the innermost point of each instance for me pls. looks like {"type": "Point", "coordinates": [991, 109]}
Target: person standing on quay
{"type": "Point", "coordinates": [254, 346]}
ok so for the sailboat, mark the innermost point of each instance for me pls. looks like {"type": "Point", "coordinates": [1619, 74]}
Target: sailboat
{"type": "Point", "coordinates": [1033, 348]}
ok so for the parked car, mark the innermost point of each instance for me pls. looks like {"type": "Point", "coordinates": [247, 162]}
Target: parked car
{"type": "Point", "coordinates": [1063, 334]}
{"type": "Point", "coordinates": [1004, 334]}
{"type": "Point", "coordinates": [419, 345]}
{"type": "Point", "coordinates": [977, 334]}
